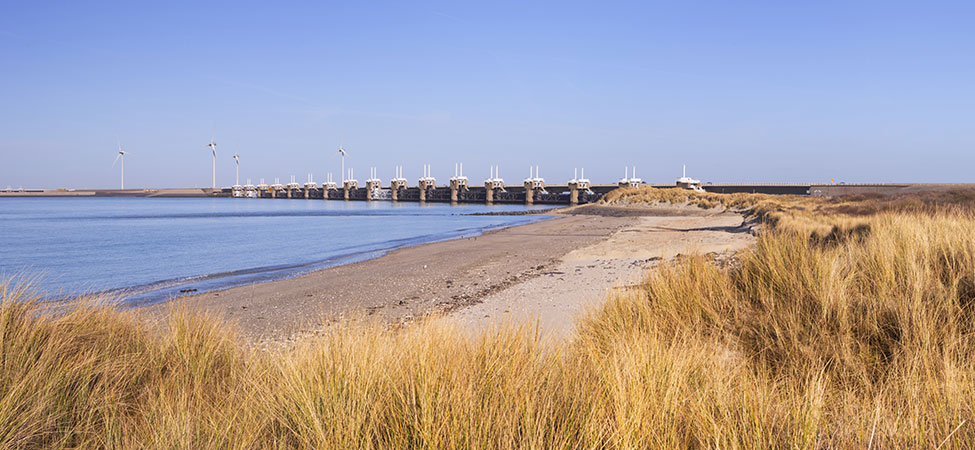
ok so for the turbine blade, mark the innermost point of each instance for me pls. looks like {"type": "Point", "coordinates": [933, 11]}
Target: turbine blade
{"type": "Point", "coordinates": [117, 156]}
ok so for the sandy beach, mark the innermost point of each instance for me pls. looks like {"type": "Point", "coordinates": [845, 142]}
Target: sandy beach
{"type": "Point", "coordinates": [549, 271]}
{"type": "Point", "coordinates": [585, 277]}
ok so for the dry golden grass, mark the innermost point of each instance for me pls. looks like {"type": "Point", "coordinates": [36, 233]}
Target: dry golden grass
{"type": "Point", "coordinates": [810, 215]}
{"type": "Point", "coordinates": [859, 338]}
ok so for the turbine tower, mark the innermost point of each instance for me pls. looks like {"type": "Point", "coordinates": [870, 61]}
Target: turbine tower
{"type": "Point", "coordinates": [237, 162]}
{"type": "Point", "coordinates": [343, 154]}
{"type": "Point", "coordinates": [120, 156]}
{"type": "Point", "coordinates": [213, 148]}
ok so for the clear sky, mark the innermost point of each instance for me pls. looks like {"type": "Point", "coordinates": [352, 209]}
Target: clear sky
{"type": "Point", "coordinates": [755, 91]}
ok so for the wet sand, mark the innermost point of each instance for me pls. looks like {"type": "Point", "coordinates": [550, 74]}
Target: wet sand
{"type": "Point", "coordinates": [549, 271]}
{"type": "Point", "coordinates": [404, 284]}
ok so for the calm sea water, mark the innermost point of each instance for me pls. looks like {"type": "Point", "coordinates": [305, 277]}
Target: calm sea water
{"type": "Point", "coordinates": [150, 249]}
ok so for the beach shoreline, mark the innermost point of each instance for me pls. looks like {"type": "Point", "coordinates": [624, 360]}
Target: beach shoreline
{"type": "Point", "coordinates": [177, 289]}
{"type": "Point", "coordinates": [402, 285]}
{"type": "Point", "coordinates": [549, 271]}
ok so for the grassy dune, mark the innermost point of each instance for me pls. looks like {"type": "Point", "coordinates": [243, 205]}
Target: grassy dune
{"type": "Point", "coordinates": [848, 325]}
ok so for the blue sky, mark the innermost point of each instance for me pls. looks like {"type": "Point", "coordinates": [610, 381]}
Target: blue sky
{"type": "Point", "coordinates": [754, 91]}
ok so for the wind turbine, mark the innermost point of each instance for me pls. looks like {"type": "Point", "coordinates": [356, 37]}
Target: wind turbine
{"type": "Point", "coordinates": [237, 162]}
{"type": "Point", "coordinates": [213, 149]}
{"type": "Point", "coordinates": [341, 152]}
{"type": "Point", "coordinates": [120, 155]}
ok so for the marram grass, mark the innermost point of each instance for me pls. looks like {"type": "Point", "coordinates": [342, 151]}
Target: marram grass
{"type": "Point", "coordinates": [848, 339]}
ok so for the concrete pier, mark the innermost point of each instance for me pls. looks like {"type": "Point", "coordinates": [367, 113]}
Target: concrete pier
{"type": "Point", "coordinates": [458, 190]}
{"type": "Point", "coordinates": [277, 188]}
{"type": "Point", "coordinates": [424, 188]}
{"type": "Point", "coordinates": [627, 180]}
{"type": "Point", "coordinates": [531, 191]}
{"type": "Point", "coordinates": [533, 184]}
{"type": "Point", "coordinates": [397, 186]}
{"type": "Point", "coordinates": [310, 188]}
{"type": "Point", "coordinates": [493, 185]}
{"type": "Point", "coordinates": [373, 183]}
{"type": "Point", "coordinates": [577, 186]}
{"type": "Point", "coordinates": [426, 183]}
{"type": "Point", "coordinates": [347, 187]}
{"type": "Point", "coordinates": [328, 186]}
{"type": "Point", "coordinates": [458, 183]}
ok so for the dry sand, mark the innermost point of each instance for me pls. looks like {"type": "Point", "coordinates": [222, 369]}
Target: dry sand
{"type": "Point", "coordinates": [584, 277]}
{"type": "Point", "coordinates": [549, 271]}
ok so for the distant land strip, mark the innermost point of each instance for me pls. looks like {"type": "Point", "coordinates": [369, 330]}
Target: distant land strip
{"type": "Point", "coordinates": [818, 190]}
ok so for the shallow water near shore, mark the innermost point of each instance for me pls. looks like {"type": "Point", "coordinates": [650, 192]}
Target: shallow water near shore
{"type": "Point", "coordinates": [153, 249]}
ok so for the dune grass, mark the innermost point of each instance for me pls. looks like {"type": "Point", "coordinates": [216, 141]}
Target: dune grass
{"type": "Point", "coordinates": [859, 336]}
{"type": "Point", "coordinates": [809, 215]}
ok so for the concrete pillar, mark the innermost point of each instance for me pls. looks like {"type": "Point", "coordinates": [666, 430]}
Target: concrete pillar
{"type": "Point", "coordinates": [395, 186]}
{"type": "Point", "coordinates": [424, 186]}
{"type": "Point", "coordinates": [529, 193]}
{"type": "Point", "coordinates": [457, 184]}
{"type": "Point", "coordinates": [573, 194]}
{"type": "Point", "coordinates": [348, 187]}
{"type": "Point", "coordinates": [488, 193]}
{"type": "Point", "coordinates": [307, 193]}
{"type": "Point", "coordinates": [370, 186]}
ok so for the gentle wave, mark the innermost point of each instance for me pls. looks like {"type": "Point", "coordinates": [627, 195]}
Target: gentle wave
{"type": "Point", "coordinates": [149, 250]}
{"type": "Point", "coordinates": [164, 290]}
